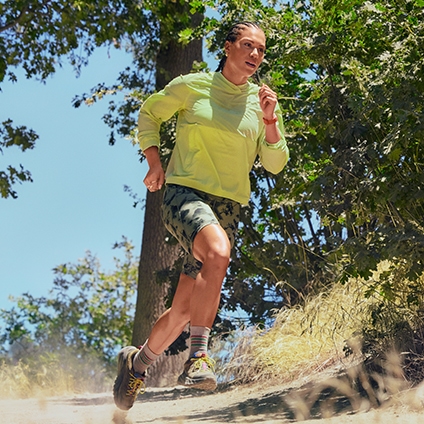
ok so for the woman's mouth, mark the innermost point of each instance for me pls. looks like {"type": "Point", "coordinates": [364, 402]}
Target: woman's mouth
{"type": "Point", "coordinates": [250, 64]}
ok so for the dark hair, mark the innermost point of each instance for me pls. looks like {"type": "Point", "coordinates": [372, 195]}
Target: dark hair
{"type": "Point", "coordinates": [232, 36]}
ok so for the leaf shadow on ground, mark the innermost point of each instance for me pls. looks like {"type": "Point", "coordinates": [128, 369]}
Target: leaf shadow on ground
{"type": "Point", "coordinates": [279, 406]}
{"type": "Point", "coordinates": [288, 405]}
{"type": "Point", "coordinates": [329, 397]}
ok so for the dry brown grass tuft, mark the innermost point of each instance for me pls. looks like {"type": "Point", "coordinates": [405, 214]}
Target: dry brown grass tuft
{"type": "Point", "coordinates": [14, 381]}
{"type": "Point", "coordinates": [309, 338]}
{"type": "Point", "coordinates": [23, 380]}
{"type": "Point", "coordinates": [303, 339]}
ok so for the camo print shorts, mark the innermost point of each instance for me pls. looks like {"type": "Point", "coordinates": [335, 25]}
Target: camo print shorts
{"type": "Point", "coordinates": [185, 211]}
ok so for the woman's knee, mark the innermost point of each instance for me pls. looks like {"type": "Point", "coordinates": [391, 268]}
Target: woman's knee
{"type": "Point", "coordinates": [211, 244]}
{"type": "Point", "coordinates": [218, 254]}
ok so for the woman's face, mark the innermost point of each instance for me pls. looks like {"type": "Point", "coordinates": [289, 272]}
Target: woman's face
{"type": "Point", "coordinates": [245, 54]}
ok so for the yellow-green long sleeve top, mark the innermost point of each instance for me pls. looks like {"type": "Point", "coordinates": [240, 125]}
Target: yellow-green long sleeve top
{"type": "Point", "coordinates": [219, 134]}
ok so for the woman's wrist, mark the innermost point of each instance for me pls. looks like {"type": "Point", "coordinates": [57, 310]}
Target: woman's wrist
{"type": "Point", "coordinates": [271, 121]}
{"type": "Point", "coordinates": [152, 156]}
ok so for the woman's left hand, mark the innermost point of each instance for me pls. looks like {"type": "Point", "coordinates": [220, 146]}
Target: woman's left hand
{"type": "Point", "coordinates": [268, 101]}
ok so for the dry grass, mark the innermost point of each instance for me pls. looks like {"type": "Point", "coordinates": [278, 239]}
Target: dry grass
{"type": "Point", "coordinates": [347, 349]}
{"type": "Point", "coordinates": [303, 339]}
{"type": "Point", "coordinates": [316, 335]}
{"type": "Point", "coordinates": [35, 379]}
{"type": "Point", "coordinates": [19, 381]}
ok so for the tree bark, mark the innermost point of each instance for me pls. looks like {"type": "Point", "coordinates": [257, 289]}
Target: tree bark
{"type": "Point", "coordinates": [157, 255]}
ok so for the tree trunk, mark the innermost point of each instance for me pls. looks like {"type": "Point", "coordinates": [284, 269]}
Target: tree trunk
{"type": "Point", "coordinates": [156, 255]}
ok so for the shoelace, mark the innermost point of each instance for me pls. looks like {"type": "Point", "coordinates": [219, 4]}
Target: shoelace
{"type": "Point", "coordinates": [135, 386]}
{"type": "Point", "coordinates": [197, 363]}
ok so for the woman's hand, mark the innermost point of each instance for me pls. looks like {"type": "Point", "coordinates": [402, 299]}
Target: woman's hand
{"type": "Point", "coordinates": [268, 101]}
{"type": "Point", "coordinates": [155, 177]}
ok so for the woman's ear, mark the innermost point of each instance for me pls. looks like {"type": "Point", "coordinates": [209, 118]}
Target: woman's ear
{"type": "Point", "coordinates": [227, 47]}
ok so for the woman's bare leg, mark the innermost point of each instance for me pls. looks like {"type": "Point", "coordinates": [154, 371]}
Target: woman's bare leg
{"type": "Point", "coordinates": [168, 327]}
{"type": "Point", "coordinates": [212, 247]}
{"type": "Point", "coordinates": [172, 322]}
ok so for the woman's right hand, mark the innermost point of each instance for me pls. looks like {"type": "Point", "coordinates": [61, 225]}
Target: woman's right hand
{"type": "Point", "coordinates": [155, 177]}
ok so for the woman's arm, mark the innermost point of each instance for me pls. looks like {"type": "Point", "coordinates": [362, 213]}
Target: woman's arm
{"type": "Point", "coordinates": [274, 154]}
{"type": "Point", "coordinates": [268, 101]}
{"type": "Point", "coordinates": [159, 107]}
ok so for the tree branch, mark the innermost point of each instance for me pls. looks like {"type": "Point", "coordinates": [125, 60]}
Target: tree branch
{"type": "Point", "coordinates": [16, 21]}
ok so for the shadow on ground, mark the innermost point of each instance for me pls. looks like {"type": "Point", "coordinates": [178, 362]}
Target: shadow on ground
{"type": "Point", "coordinates": [342, 394]}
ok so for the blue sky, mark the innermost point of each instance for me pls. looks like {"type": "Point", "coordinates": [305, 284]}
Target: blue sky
{"type": "Point", "coordinates": [76, 202]}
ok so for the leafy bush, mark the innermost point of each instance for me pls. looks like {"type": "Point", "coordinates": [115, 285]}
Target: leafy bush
{"type": "Point", "coordinates": [68, 340]}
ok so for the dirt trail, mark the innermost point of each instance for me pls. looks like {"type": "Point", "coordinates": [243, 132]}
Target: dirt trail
{"type": "Point", "coordinates": [253, 404]}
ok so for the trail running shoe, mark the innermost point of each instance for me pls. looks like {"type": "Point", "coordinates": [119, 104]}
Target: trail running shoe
{"type": "Point", "coordinates": [199, 373]}
{"type": "Point", "coordinates": [128, 383]}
